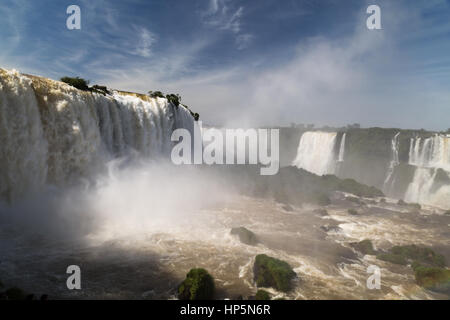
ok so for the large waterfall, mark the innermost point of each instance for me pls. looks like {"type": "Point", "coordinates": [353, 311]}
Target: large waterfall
{"type": "Point", "coordinates": [433, 152]}
{"type": "Point", "coordinates": [316, 152]}
{"type": "Point", "coordinates": [52, 133]}
{"type": "Point", "coordinates": [429, 155]}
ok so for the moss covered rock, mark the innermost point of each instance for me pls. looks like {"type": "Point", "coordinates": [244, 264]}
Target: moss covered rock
{"type": "Point", "coordinates": [417, 256]}
{"type": "Point", "coordinates": [262, 295]}
{"type": "Point", "coordinates": [392, 258]}
{"type": "Point", "coordinates": [198, 285]}
{"type": "Point", "coordinates": [245, 235]}
{"type": "Point", "coordinates": [433, 278]}
{"type": "Point", "coordinates": [365, 247]}
{"type": "Point", "coordinates": [271, 272]}
{"type": "Point", "coordinates": [352, 212]}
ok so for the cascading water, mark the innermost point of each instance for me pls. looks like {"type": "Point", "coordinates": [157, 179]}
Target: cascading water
{"type": "Point", "coordinates": [316, 152]}
{"type": "Point", "coordinates": [54, 133]}
{"type": "Point", "coordinates": [429, 155]}
{"type": "Point", "coordinates": [342, 148]}
{"type": "Point", "coordinates": [389, 181]}
{"type": "Point", "coordinates": [433, 152]}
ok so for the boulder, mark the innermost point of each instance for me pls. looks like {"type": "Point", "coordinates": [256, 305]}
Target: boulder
{"type": "Point", "coordinates": [271, 272]}
{"type": "Point", "coordinates": [198, 285]}
{"type": "Point", "coordinates": [245, 236]}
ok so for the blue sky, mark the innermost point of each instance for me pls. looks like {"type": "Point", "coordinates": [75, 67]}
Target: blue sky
{"type": "Point", "coordinates": [258, 62]}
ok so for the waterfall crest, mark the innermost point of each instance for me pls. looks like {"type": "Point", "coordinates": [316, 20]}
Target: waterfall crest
{"type": "Point", "coordinates": [52, 133]}
{"type": "Point", "coordinates": [315, 152]}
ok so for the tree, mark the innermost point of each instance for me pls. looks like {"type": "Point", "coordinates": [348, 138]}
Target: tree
{"type": "Point", "coordinates": [77, 82]}
{"type": "Point", "coordinates": [156, 94]}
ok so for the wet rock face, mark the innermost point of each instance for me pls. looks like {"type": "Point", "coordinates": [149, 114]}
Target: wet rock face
{"type": "Point", "coordinates": [365, 247]}
{"type": "Point", "coordinates": [245, 236]}
{"type": "Point", "coordinates": [271, 272]}
{"type": "Point", "coordinates": [330, 228]}
{"type": "Point", "coordinates": [198, 285]}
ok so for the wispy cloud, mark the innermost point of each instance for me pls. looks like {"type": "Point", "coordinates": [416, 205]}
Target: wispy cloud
{"type": "Point", "coordinates": [222, 15]}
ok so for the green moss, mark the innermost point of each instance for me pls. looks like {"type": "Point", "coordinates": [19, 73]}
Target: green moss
{"type": "Point", "coordinates": [417, 256]}
{"type": "Point", "coordinates": [262, 295]}
{"type": "Point", "coordinates": [392, 258]}
{"type": "Point", "coordinates": [353, 212]}
{"type": "Point", "coordinates": [198, 285]}
{"type": "Point", "coordinates": [365, 247]}
{"type": "Point", "coordinates": [245, 235]}
{"type": "Point", "coordinates": [433, 278]}
{"type": "Point", "coordinates": [420, 255]}
{"type": "Point", "coordinates": [271, 272]}
{"type": "Point", "coordinates": [15, 294]}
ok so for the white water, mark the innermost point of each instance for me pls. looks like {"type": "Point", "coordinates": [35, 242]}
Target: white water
{"type": "Point", "coordinates": [428, 155]}
{"type": "Point", "coordinates": [342, 148]}
{"type": "Point", "coordinates": [389, 182]}
{"type": "Point", "coordinates": [52, 133]}
{"type": "Point", "coordinates": [433, 152]}
{"type": "Point", "coordinates": [316, 152]}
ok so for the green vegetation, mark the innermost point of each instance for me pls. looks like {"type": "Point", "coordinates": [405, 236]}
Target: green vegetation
{"type": "Point", "coordinates": [245, 235]}
{"type": "Point", "coordinates": [100, 89]}
{"type": "Point", "coordinates": [417, 256]}
{"type": "Point", "coordinates": [262, 295]}
{"type": "Point", "coordinates": [271, 272]}
{"type": "Point", "coordinates": [156, 94]}
{"type": "Point", "coordinates": [174, 99]}
{"type": "Point", "coordinates": [401, 202]}
{"type": "Point", "coordinates": [433, 278]}
{"type": "Point", "coordinates": [77, 82]}
{"type": "Point", "coordinates": [392, 258]}
{"type": "Point", "coordinates": [198, 285]}
{"type": "Point", "coordinates": [447, 212]}
{"type": "Point", "coordinates": [365, 247]}
{"type": "Point", "coordinates": [353, 212]}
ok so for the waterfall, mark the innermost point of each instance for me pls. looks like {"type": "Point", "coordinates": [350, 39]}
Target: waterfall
{"type": "Point", "coordinates": [315, 152]}
{"type": "Point", "coordinates": [342, 148]}
{"type": "Point", "coordinates": [419, 189]}
{"type": "Point", "coordinates": [429, 155]}
{"type": "Point", "coordinates": [52, 133]}
{"type": "Point", "coordinates": [389, 182]}
{"type": "Point", "coordinates": [433, 152]}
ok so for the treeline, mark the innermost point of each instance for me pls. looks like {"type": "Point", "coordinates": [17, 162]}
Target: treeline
{"type": "Point", "coordinates": [83, 84]}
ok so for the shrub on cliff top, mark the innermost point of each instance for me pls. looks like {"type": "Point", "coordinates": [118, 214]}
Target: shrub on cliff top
{"type": "Point", "coordinates": [77, 82]}
{"type": "Point", "coordinates": [156, 94]}
{"type": "Point", "coordinates": [198, 285]}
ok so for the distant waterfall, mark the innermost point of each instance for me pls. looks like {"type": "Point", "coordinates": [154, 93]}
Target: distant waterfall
{"type": "Point", "coordinates": [316, 152]}
{"type": "Point", "coordinates": [342, 148]}
{"type": "Point", "coordinates": [53, 133]}
{"type": "Point", "coordinates": [388, 182]}
{"type": "Point", "coordinates": [429, 155]}
{"type": "Point", "coordinates": [433, 152]}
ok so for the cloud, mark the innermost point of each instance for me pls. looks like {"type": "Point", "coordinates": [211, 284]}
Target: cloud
{"type": "Point", "coordinates": [221, 15]}
{"type": "Point", "coordinates": [145, 42]}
